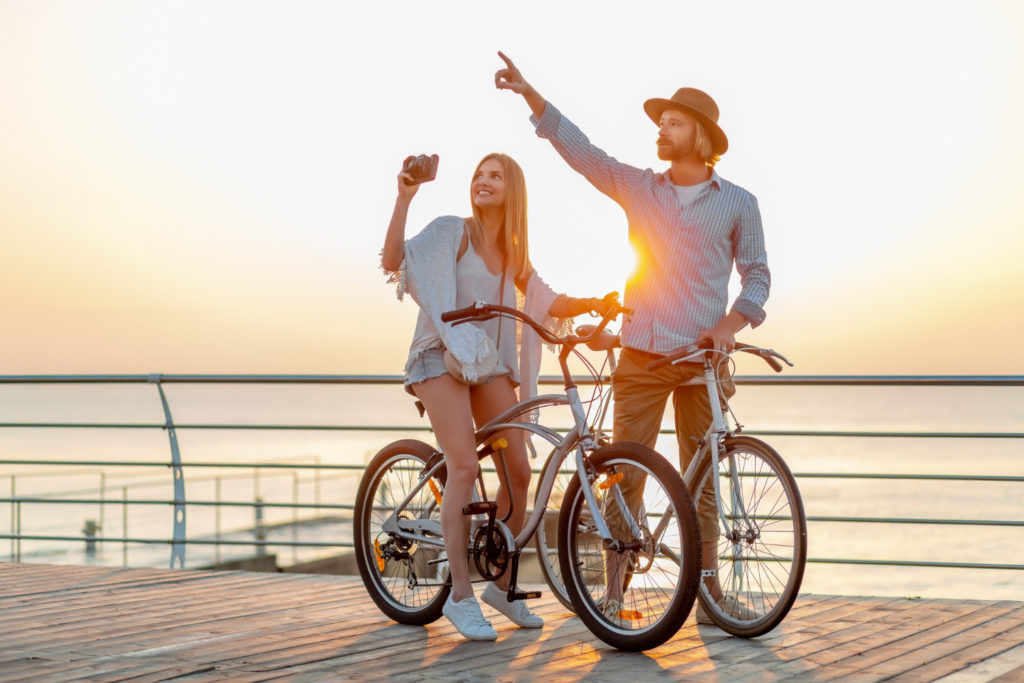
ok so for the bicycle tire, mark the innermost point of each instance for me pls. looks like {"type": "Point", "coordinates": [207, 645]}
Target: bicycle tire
{"type": "Point", "coordinates": [396, 572]}
{"type": "Point", "coordinates": [760, 575]}
{"type": "Point", "coordinates": [547, 552]}
{"type": "Point", "coordinates": [659, 579]}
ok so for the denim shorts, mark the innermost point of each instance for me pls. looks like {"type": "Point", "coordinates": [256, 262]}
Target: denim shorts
{"type": "Point", "coordinates": [430, 364]}
{"type": "Point", "coordinates": [427, 365]}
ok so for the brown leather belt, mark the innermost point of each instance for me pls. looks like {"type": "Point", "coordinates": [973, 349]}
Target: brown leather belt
{"type": "Point", "coordinates": [648, 356]}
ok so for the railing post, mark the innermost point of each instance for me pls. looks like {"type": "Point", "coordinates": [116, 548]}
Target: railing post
{"type": "Point", "coordinates": [14, 534]}
{"type": "Point", "coordinates": [295, 513]}
{"type": "Point", "coordinates": [179, 535]}
{"type": "Point", "coordinates": [317, 494]}
{"type": "Point", "coordinates": [259, 531]}
{"type": "Point", "coordinates": [216, 517]}
{"type": "Point", "coordinates": [124, 525]}
{"type": "Point", "coordinates": [103, 497]}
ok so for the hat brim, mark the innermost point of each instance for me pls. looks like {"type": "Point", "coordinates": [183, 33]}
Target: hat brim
{"type": "Point", "coordinates": [719, 142]}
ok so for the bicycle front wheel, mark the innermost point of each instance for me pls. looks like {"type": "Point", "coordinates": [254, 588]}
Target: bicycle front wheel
{"type": "Point", "coordinates": [636, 593]}
{"type": "Point", "coordinates": [407, 580]}
{"type": "Point", "coordinates": [762, 552]}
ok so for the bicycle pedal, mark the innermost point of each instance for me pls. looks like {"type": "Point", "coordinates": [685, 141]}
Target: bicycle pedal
{"type": "Point", "coordinates": [480, 507]}
{"type": "Point", "coordinates": [526, 595]}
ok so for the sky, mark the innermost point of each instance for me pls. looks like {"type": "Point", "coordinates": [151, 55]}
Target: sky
{"type": "Point", "coordinates": [204, 187]}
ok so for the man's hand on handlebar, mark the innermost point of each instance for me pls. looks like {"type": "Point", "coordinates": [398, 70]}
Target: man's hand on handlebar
{"type": "Point", "coordinates": [722, 337]}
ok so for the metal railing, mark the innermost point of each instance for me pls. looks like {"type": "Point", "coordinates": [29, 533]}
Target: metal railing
{"type": "Point", "coordinates": [256, 534]}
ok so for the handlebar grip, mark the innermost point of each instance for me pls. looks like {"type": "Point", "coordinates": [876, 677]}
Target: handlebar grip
{"type": "Point", "coordinates": [767, 355]}
{"type": "Point", "coordinates": [460, 313]}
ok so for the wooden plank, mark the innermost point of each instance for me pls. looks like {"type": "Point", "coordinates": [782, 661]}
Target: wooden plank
{"type": "Point", "coordinates": [69, 623]}
{"type": "Point", "coordinates": [1007, 665]}
{"type": "Point", "coordinates": [965, 643]}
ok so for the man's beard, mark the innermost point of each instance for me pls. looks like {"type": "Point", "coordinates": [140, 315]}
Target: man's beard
{"type": "Point", "coordinates": [671, 151]}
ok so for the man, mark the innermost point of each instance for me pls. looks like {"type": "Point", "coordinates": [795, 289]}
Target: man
{"type": "Point", "coordinates": [689, 227]}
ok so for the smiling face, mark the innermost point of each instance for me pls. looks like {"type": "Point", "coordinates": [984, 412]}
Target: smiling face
{"type": "Point", "coordinates": [487, 189]}
{"type": "Point", "coordinates": [676, 135]}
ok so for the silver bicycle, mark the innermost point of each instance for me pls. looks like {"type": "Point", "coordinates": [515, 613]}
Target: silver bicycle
{"type": "Point", "coordinates": [655, 545]}
{"type": "Point", "coordinates": [762, 540]}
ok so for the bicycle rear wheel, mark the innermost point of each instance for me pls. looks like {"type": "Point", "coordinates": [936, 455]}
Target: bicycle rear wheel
{"type": "Point", "coordinates": [635, 597]}
{"type": "Point", "coordinates": [546, 538]}
{"type": "Point", "coordinates": [761, 555]}
{"type": "Point", "coordinates": [404, 578]}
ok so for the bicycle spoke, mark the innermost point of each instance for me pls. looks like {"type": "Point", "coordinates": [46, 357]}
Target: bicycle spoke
{"type": "Point", "coordinates": [402, 575]}
{"type": "Point", "coordinates": [636, 592]}
{"type": "Point", "coordinates": [762, 550]}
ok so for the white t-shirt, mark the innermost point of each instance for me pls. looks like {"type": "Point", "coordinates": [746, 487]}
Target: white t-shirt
{"type": "Point", "coordinates": [687, 194]}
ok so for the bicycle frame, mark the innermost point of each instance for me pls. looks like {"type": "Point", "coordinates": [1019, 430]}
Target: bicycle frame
{"type": "Point", "coordinates": [631, 587]}
{"type": "Point", "coordinates": [579, 440]}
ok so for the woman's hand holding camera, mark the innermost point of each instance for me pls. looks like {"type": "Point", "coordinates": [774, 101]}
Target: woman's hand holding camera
{"type": "Point", "coordinates": [406, 186]}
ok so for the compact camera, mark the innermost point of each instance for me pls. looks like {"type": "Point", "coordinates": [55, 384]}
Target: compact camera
{"type": "Point", "coordinates": [422, 168]}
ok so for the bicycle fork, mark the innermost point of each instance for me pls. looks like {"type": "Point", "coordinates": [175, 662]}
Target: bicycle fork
{"type": "Point", "coordinates": [737, 528]}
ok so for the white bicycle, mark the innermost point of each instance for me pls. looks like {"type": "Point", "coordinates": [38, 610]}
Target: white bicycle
{"type": "Point", "coordinates": [762, 544]}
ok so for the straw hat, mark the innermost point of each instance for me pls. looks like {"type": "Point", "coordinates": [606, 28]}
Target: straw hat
{"type": "Point", "coordinates": [698, 103]}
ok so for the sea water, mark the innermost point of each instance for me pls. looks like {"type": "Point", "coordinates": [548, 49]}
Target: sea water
{"type": "Point", "coordinates": [218, 468]}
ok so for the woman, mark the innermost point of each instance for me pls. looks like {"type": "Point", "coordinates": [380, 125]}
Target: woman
{"type": "Point", "coordinates": [453, 263]}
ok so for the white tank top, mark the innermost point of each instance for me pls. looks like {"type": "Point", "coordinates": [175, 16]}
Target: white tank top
{"type": "Point", "coordinates": [473, 282]}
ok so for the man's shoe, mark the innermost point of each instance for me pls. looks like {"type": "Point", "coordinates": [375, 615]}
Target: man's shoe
{"type": "Point", "coordinates": [736, 609]}
{"type": "Point", "coordinates": [466, 616]}
{"type": "Point", "coordinates": [731, 606]}
{"type": "Point", "coordinates": [517, 610]}
{"type": "Point", "coordinates": [612, 611]}
{"type": "Point", "coordinates": [702, 616]}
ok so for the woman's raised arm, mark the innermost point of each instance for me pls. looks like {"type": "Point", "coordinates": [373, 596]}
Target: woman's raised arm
{"type": "Point", "coordinates": [393, 254]}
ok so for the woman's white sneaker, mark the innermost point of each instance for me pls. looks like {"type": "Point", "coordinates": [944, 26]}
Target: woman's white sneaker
{"type": "Point", "coordinates": [466, 616]}
{"type": "Point", "coordinates": [517, 611]}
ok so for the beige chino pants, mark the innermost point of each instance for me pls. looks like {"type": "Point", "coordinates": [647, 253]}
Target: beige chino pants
{"type": "Point", "coordinates": [640, 400]}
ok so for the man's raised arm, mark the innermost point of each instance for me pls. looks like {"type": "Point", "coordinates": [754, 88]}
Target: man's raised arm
{"type": "Point", "coordinates": [510, 78]}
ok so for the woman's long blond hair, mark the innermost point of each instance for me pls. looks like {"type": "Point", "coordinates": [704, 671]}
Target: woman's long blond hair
{"type": "Point", "coordinates": [516, 241]}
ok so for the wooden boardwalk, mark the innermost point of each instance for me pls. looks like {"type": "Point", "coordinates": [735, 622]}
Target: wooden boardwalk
{"type": "Point", "coordinates": [61, 623]}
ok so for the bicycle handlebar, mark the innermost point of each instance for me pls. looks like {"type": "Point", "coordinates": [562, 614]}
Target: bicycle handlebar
{"type": "Point", "coordinates": [769, 356]}
{"type": "Point", "coordinates": [485, 311]}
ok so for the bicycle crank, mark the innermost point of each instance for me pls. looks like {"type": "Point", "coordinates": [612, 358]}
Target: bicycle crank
{"type": "Point", "coordinates": [490, 552]}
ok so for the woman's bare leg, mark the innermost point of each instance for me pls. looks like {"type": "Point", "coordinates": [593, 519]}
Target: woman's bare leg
{"type": "Point", "coordinates": [447, 403]}
{"type": "Point", "coordinates": [489, 400]}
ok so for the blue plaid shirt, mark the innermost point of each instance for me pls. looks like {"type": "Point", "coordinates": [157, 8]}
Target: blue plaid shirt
{"type": "Point", "coordinates": [686, 254]}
